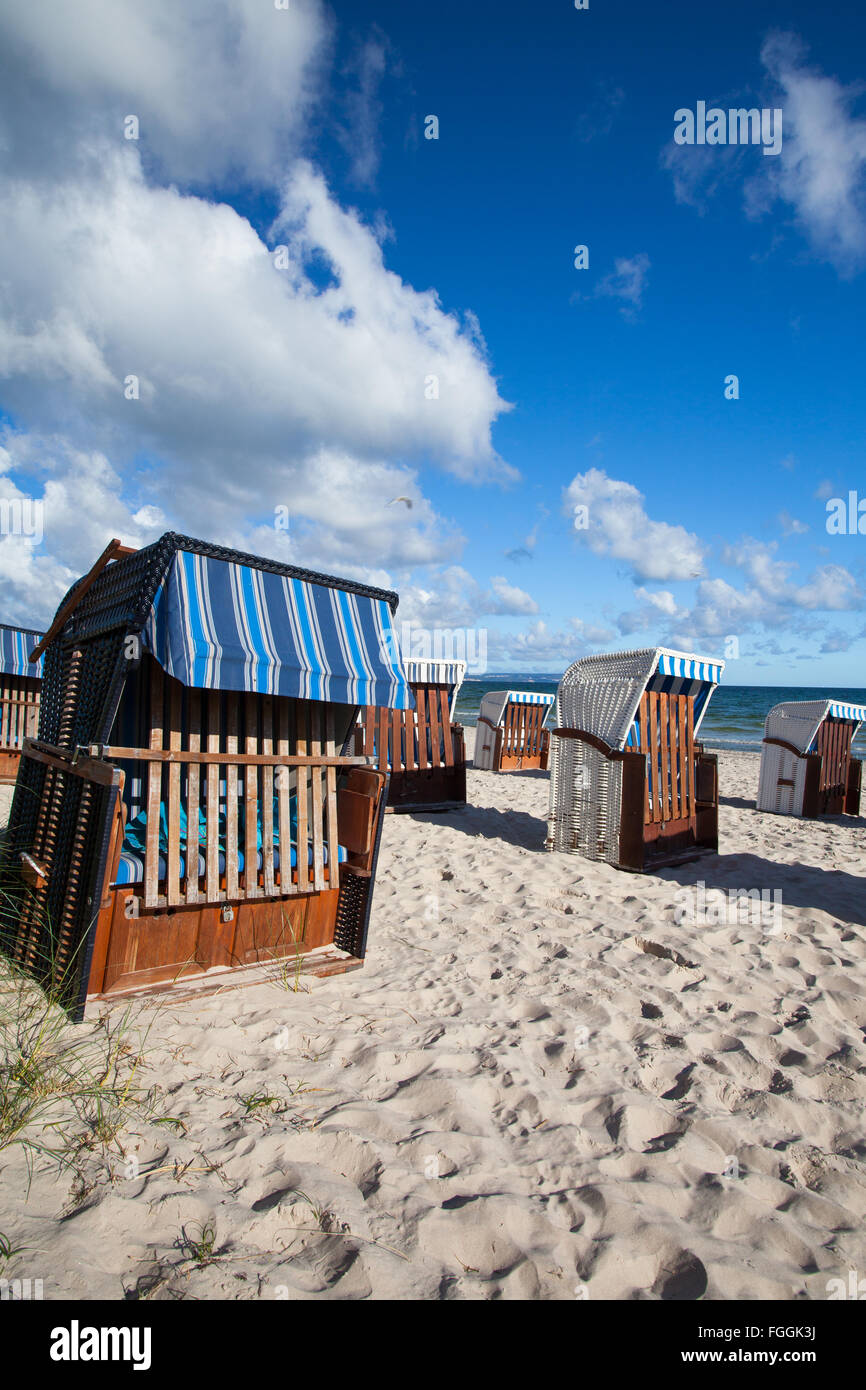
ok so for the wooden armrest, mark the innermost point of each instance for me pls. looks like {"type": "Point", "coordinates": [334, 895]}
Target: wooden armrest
{"type": "Point", "coordinates": [355, 818]}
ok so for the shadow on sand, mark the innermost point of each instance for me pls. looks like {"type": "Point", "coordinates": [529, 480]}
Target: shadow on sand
{"type": "Point", "coordinates": [840, 894]}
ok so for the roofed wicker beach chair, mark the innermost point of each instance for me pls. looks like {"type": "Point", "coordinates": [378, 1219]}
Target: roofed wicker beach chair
{"type": "Point", "coordinates": [807, 768]}
{"type": "Point", "coordinates": [512, 734]}
{"type": "Point", "coordinates": [421, 749]}
{"type": "Point", "coordinates": [20, 684]}
{"type": "Point", "coordinates": [189, 809]}
{"type": "Point", "coordinates": [629, 782]}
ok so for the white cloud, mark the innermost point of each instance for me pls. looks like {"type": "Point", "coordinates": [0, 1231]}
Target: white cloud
{"type": "Point", "coordinates": [790, 525]}
{"type": "Point", "coordinates": [511, 599]}
{"type": "Point", "coordinates": [450, 597]}
{"type": "Point", "coordinates": [627, 281]}
{"type": "Point", "coordinates": [537, 647]}
{"type": "Point", "coordinates": [220, 88]}
{"type": "Point", "coordinates": [660, 599]}
{"type": "Point", "coordinates": [831, 588]}
{"type": "Point", "coordinates": [79, 495]}
{"type": "Point", "coordinates": [619, 526]}
{"type": "Point", "coordinates": [360, 134]}
{"type": "Point", "coordinates": [236, 359]}
{"type": "Point", "coordinates": [821, 171]}
{"type": "Point", "coordinates": [258, 387]}
{"type": "Point", "coordinates": [656, 606]}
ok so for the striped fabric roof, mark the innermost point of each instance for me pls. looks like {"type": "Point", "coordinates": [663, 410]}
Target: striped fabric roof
{"type": "Point", "coordinates": [857, 713]}
{"type": "Point", "coordinates": [495, 702]}
{"type": "Point", "coordinates": [219, 624]}
{"type": "Point", "coordinates": [690, 667]}
{"type": "Point", "coordinates": [16, 644]}
{"type": "Point", "coordinates": [450, 673]}
{"type": "Point", "coordinates": [527, 697]}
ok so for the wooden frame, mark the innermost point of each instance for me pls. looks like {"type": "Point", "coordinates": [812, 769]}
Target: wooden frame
{"type": "Point", "coordinates": [421, 749]}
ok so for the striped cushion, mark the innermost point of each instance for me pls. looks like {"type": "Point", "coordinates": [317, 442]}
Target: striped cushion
{"type": "Point", "coordinates": [131, 866]}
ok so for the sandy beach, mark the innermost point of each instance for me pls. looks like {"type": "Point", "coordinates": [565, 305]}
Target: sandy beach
{"type": "Point", "coordinates": [542, 1085]}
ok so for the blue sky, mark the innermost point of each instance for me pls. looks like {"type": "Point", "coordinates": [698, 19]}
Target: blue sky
{"type": "Point", "coordinates": [558, 387]}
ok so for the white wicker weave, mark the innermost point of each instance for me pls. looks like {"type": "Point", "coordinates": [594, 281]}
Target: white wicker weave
{"type": "Point", "coordinates": [796, 722]}
{"type": "Point", "coordinates": [601, 695]}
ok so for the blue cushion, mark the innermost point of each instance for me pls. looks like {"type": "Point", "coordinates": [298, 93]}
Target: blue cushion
{"type": "Point", "coordinates": [131, 866]}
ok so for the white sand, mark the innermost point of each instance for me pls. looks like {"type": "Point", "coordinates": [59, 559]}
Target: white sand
{"type": "Point", "coordinates": [513, 1098]}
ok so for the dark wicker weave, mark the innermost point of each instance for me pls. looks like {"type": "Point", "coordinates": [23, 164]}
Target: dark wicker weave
{"type": "Point", "coordinates": [49, 932]}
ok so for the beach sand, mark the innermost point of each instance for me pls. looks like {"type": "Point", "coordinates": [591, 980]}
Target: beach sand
{"type": "Point", "coordinates": [541, 1085]}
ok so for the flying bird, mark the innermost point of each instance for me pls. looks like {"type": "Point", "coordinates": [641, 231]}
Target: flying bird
{"type": "Point", "coordinates": [407, 500]}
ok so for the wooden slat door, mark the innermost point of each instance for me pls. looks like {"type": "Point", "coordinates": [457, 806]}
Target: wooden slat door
{"type": "Point", "coordinates": [523, 741]}
{"type": "Point", "coordinates": [665, 731]}
{"type": "Point", "coordinates": [834, 745]}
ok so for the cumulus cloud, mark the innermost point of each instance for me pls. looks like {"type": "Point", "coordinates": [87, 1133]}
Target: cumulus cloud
{"type": "Point", "coordinates": [510, 598]}
{"type": "Point", "coordinates": [78, 496]}
{"type": "Point", "coordinates": [220, 88]}
{"type": "Point", "coordinates": [618, 525]}
{"type": "Point", "coordinates": [452, 597]}
{"type": "Point", "coordinates": [234, 357]}
{"type": "Point", "coordinates": [216, 373]}
{"type": "Point", "coordinates": [656, 606]}
{"type": "Point", "coordinates": [770, 598]}
{"type": "Point", "coordinates": [836, 640]}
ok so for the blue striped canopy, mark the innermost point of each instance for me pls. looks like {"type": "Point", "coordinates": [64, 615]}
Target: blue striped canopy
{"type": "Point", "coordinates": [693, 668]}
{"type": "Point", "coordinates": [16, 644]}
{"type": "Point", "coordinates": [857, 713]}
{"type": "Point", "coordinates": [220, 625]}
{"type": "Point", "coordinates": [423, 671]}
{"type": "Point", "coordinates": [526, 697]}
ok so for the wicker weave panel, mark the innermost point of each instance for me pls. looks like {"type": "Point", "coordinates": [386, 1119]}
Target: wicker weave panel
{"type": "Point", "coordinates": [778, 767]}
{"type": "Point", "coordinates": [585, 801]}
{"type": "Point", "coordinates": [796, 721]}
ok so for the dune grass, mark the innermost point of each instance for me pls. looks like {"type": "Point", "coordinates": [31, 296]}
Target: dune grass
{"type": "Point", "coordinates": [66, 1090]}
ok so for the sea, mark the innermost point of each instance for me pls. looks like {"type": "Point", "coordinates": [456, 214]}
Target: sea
{"type": "Point", "coordinates": [734, 720]}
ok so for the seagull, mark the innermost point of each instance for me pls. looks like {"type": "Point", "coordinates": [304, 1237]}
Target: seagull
{"type": "Point", "coordinates": [407, 500]}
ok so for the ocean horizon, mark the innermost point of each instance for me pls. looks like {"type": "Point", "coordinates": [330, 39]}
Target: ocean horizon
{"type": "Point", "coordinates": [734, 720]}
